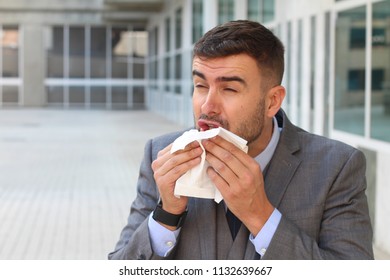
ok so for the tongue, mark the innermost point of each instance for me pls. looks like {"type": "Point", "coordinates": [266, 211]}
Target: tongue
{"type": "Point", "coordinates": [206, 125]}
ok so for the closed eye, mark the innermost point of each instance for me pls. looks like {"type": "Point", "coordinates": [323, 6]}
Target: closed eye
{"type": "Point", "coordinates": [200, 86]}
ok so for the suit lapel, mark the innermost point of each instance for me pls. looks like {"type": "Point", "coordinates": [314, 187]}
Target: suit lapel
{"type": "Point", "coordinates": [284, 162]}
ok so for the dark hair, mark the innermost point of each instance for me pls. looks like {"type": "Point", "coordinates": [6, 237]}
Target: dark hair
{"type": "Point", "coordinates": [249, 37]}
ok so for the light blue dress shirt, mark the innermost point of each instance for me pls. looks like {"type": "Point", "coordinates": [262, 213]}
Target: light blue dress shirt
{"type": "Point", "coordinates": [163, 240]}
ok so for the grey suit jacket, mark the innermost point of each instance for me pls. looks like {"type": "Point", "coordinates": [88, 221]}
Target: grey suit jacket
{"type": "Point", "coordinates": [317, 184]}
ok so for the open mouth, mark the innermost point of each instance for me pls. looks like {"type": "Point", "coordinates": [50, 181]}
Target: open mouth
{"type": "Point", "coordinates": [207, 124]}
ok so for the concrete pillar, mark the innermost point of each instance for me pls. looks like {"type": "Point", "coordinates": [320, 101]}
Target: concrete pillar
{"type": "Point", "coordinates": [33, 66]}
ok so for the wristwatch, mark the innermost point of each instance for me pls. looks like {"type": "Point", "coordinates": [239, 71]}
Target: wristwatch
{"type": "Point", "coordinates": [160, 215]}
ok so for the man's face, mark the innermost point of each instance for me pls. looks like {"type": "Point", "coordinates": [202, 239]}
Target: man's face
{"type": "Point", "coordinates": [227, 93]}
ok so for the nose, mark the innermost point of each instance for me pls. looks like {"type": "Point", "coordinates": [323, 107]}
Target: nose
{"type": "Point", "coordinates": [212, 103]}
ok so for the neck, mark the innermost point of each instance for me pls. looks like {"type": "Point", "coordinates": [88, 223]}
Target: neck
{"type": "Point", "coordinates": [258, 145]}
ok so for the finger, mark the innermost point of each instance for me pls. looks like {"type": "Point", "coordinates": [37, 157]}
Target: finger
{"type": "Point", "coordinates": [165, 154]}
{"type": "Point", "coordinates": [178, 162]}
{"type": "Point", "coordinates": [165, 150]}
{"type": "Point", "coordinates": [229, 146]}
{"type": "Point", "coordinates": [219, 181]}
{"type": "Point", "coordinates": [223, 170]}
{"type": "Point", "coordinates": [225, 154]}
{"type": "Point", "coordinates": [166, 182]}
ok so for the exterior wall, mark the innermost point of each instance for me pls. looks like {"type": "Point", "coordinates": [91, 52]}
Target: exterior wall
{"type": "Point", "coordinates": [382, 209]}
{"type": "Point", "coordinates": [307, 28]}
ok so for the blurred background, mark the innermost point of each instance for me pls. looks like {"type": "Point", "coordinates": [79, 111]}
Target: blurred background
{"type": "Point", "coordinates": [84, 83]}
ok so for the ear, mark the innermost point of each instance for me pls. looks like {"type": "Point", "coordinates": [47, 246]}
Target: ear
{"type": "Point", "coordinates": [275, 97]}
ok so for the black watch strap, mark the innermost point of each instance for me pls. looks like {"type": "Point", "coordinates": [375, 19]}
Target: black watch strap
{"type": "Point", "coordinates": [160, 215]}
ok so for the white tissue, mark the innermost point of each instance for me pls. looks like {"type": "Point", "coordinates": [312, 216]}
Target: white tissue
{"type": "Point", "coordinates": [196, 182]}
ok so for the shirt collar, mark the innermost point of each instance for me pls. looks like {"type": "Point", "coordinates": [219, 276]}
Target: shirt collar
{"type": "Point", "coordinates": [265, 156]}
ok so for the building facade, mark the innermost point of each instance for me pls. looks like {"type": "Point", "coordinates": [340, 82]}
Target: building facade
{"type": "Point", "coordinates": [135, 54]}
{"type": "Point", "coordinates": [75, 53]}
{"type": "Point", "coordinates": [337, 72]}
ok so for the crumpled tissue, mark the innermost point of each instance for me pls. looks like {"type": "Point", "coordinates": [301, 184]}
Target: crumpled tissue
{"type": "Point", "coordinates": [195, 182]}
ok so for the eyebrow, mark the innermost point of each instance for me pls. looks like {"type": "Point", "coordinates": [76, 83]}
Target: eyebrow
{"type": "Point", "coordinates": [221, 79]}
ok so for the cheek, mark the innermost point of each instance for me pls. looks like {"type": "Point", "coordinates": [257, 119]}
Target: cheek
{"type": "Point", "coordinates": [196, 104]}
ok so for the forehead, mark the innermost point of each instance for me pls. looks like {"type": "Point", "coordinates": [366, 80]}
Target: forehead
{"type": "Point", "coordinates": [241, 65]}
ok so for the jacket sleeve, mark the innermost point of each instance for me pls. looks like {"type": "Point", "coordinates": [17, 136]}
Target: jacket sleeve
{"type": "Point", "coordinates": [134, 242]}
{"type": "Point", "coordinates": [344, 230]}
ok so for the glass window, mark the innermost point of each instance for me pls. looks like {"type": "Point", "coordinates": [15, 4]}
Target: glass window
{"type": "Point", "coordinates": [55, 95]}
{"type": "Point", "coordinates": [55, 52]}
{"type": "Point", "coordinates": [268, 10]}
{"type": "Point", "coordinates": [378, 79]}
{"type": "Point", "coordinates": [356, 80]}
{"type": "Point", "coordinates": [197, 20]}
{"type": "Point", "coordinates": [349, 71]}
{"type": "Point", "coordinates": [119, 97]}
{"type": "Point", "coordinates": [167, 68]}
{"type": "Point", "coordinates": [254, 11]}
{"type": "Point", "coordinates": [76, 52]}
{"type": "Point", "coordinates": [138, 47]}
{"type": "Point", "coordinates": [137, 43]}
{"type": "Point", "coordinates": [178, 26]}
{"type": "Point", "coordinates": [10, 95]}
{"type": "Point", "coordinates": [152, 47]}
{"type": "Point", "coordinates": [115, 52]}
{"type": "Point", "coordinates": [167, 72]}
{"type": "Point", "coordinates": [119, 52]}
{"type": "Point", "coordinates": [98, 52]}
{"type": "Point", "coordinates": [138, 97]}
{"type": "Point", "coordinates": [379, 36]}
{"type": "Point", "coordinates": [261, 10]}
{"type": "Point", "coordinates": [178, 89]}
{"type": "Point", "coordinates": [167, 34]}
{"type": "Point", "coordinates": [155, 68]}
{"type": "Point", "coordinates": [178, 67]}
{"type": "Point", "coordinates": [139, 70]}
{"type": "Point", "coordinates": [178, 74]}
{"type": "Point", "coordinates": [98, 96]}
{"type": "Point", "coordinates": [357, 37]}
{"type": "Point", "coordinates": [380, 95]}
{"type": "Point", "coordinates": [76, 96]}
{"type": "Point", "coordinates": [225, 10]}
{"type": "Point", "coordinates": [10, 51]}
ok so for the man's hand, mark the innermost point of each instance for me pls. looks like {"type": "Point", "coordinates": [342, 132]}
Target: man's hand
{"type": "Point", "coordinates": [239, 179]}
{"type": "Point", "coordinates": [170, 167]}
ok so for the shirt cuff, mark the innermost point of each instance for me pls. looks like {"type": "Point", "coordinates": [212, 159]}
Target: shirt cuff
{"type": "Point", "coordinates": [163, 240]}
{"type": "Point", "coordinates": [264, 237]}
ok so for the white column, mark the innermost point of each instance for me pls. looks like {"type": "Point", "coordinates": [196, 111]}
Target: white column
{"type": "Point", "coordinates": [294, 72]}
{"type": "Point", "coordinates": [240, 9]}
{"type": "Point", "coordinates": [210, 14]}
{"type": "Point", "coordinates": [319, 85]}
{"type": "Point", "coordinates": [305, 77]}
{"type": "Point", "coordinates": [33, 66]}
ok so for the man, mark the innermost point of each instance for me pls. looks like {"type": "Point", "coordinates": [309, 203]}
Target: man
{"type": "Point", "coordinates": [294, 195]}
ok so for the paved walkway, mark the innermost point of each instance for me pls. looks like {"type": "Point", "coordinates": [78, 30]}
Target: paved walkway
{"type": "Point", "coordinates": [67, 179]}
